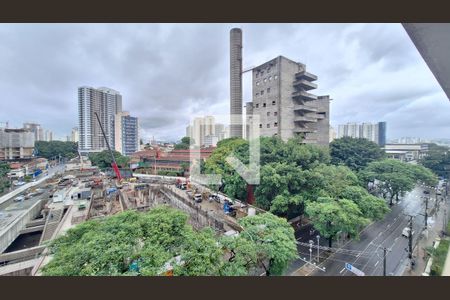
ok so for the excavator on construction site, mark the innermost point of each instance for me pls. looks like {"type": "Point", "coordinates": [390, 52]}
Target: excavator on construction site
{"type": "Point", "coordinates": [113, 164]}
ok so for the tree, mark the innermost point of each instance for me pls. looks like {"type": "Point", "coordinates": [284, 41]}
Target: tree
{"type": "Point", "coordinates": [103, 159]}
{"type": "Point", "coordinates": [184, 144]}
{"type": "Point", "coordinates": [134, 243]}
{"type": "Point", "coordinates": [274, 151]}
{"type": "Point", "coordinates": [437, 160]}
{"type": "Point", "coordinates": [53, 149]}
{"type": "Point", "coordinates": [355, 153]}
{"type": "Point", "coordinates": [4, 181]}
{"type": "Point", "coordinates": [331, 217]}
{"type": "Point", "coordinates": [372, 207]}
{"type": "Point", "coordinates": [266, 241]}
{"type": "Point", "coordinates": [280, 182]}
{"type": "Point", "coordinates": [395, 178]}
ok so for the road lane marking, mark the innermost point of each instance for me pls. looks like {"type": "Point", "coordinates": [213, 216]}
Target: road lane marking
{"type": "Point", "coordinates": [343, 269]}
{"type": "Point", "coordinates": [376, 263]}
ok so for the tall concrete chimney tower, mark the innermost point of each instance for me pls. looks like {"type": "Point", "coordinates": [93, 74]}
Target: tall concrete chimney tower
{"type": "Point", "coordinates": [236, 82]}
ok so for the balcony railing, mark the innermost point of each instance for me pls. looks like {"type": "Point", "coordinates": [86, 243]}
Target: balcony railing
{"type": "Point", "coordinates": [306, 75]}
{"type": "Point", "coordinates": [304, 130]}
{"type": "Point", "coordinates": [304, 119]}
{"type": "Point", "coordinates": [305, 107]}
{"type": "Point", "coordinates": [305, 84]}
{"type": "Point", "coordinates": [304, 95]}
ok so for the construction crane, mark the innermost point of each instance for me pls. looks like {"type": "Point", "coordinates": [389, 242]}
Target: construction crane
{"type": "Point", "coordinates": [113, 164]}
{"type": "Point", "coordinates": [81, 159]}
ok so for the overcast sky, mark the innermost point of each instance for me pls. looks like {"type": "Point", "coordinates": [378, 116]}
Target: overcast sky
{"type": "Point", "coordinates": [168, 72]}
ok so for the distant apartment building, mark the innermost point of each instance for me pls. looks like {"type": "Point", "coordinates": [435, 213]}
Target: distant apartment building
{"type": "Point", "coordinates": [284, 104]}
{"type": "Point", "coordinates": [210, 141]}
{"type": "Point", "coordinates": [332, 134]}
{"type": "Point", "coordinates": [106, 103]}
{"type": "Point", "coordinates": [16, 143]}
{"type": "Point", "coordinates": [75, 135]}
{"type": "Point", "coordinates": [37, 130]}
{"type": "Point", "coordinates": [205, 131]}
{"type": "Point", "coordinates": [126, 133]}
{"type": "Point", "coordinates": [375, 132]}
{"type": "Point", "coordinates": [406, 152]}
{"type": "Point", "coordinates": [48, 136]}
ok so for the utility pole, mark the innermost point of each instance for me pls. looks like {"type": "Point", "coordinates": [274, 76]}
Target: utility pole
{"type": "Point", "coordinates": [436, 207]}
{"type": "Point", "coordinates": [384, 260]}
{"type": "Point", "coordinates": [410, 237]}
{"type": "Point", "coordinates": [310, 250]}
{"type": "Point", "coordinates": [445, 220]}
{"type": "Point", "coordinates": [318, 245]}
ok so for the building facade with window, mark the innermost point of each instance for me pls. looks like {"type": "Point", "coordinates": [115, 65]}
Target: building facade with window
{"type": "Point", "coordinates": [284, 104]}
{"type": "Point", "coordinates": [375, 132]}
{"type": "Point", "coordinates": [126, 135]}
{"type": "Point", "coordinates": [106, 103]}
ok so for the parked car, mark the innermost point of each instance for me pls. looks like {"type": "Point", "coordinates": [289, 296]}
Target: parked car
{"type": "Point", "coordinates": [406, 232]}
{"type": "Point", "coordinates": [198, 198]}
{"type": "Point", "coordinates": [426, 192]}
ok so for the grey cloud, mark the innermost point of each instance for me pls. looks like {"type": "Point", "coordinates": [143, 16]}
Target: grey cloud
{"type": "Point", "coordinates": [169, 72]}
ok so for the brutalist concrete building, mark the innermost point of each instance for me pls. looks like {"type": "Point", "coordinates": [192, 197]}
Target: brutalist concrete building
{"type": "Point", "coordinates": [282, 97]}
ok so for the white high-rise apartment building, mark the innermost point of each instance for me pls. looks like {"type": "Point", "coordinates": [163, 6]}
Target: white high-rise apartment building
{"type": "Point", "coordinates": [106, 103]}
{"type": "Point", "coordinates": [206, 132]}
{"type": "Point", "coordinates": [75, 135]}
{"type": "Point", "coordinates": [375, 132]}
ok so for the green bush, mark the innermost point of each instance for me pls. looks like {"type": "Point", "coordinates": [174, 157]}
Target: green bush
{"type": "Point", "coordinates": [439, 256]}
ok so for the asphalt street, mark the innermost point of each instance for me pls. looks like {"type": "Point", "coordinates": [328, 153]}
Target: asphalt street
{"type": "Point", "coordinates": [366, 253]}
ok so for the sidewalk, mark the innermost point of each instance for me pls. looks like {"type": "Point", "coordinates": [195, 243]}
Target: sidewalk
{"type": "Point", "coordinates": [427, 240]}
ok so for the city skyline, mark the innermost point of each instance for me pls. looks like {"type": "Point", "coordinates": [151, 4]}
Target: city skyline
{"type": "Point", "coordinates": [373, 72]}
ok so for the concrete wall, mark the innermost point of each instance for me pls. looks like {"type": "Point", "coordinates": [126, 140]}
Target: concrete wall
{"type": "Point", "coordinates": [287, 76]}
{"type": "Point", "coordinates": [169, 195]}
{"type": "Point", "coordinates": [323, 125]}
{"type": "Point", "coordinates": [12, 231]}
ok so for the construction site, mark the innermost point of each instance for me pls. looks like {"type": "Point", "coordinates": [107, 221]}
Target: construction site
{"type": "Point", "coordinates": [82, 192]}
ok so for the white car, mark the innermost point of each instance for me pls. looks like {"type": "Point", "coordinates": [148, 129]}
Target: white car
{"type": "Point", "coordinates": [19, 199]}
{"type": "Point", "coordinates": [406, 231]}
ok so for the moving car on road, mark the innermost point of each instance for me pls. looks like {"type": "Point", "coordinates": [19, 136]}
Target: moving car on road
{"type": "Point", "coordinates": [19, 199]}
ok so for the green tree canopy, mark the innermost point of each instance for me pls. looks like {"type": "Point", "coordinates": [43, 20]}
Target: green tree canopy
{"type": "Point", "coordinates": [266, 241]}
{"type": "Point", "coordinates": [355, 153]}
{"type": "Point", "coordinates": [4, 181]}
{"type": "Point", "coordinates": [103, 159]}
{"type": "Point", "coordinates": [437, 160]}
{"type": "Point", "coordinates": [331, 217]}
{"type": "Point", "coordinates": [53, 149]}
{"type": "Point", "coordinates": [273, 151]}
{"type": "Point", "coordinates": [184, 144]}
{"type": "Point", "coordinates": [134, 243]}
{"type": "Point", "coordinates": [395, 178]}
